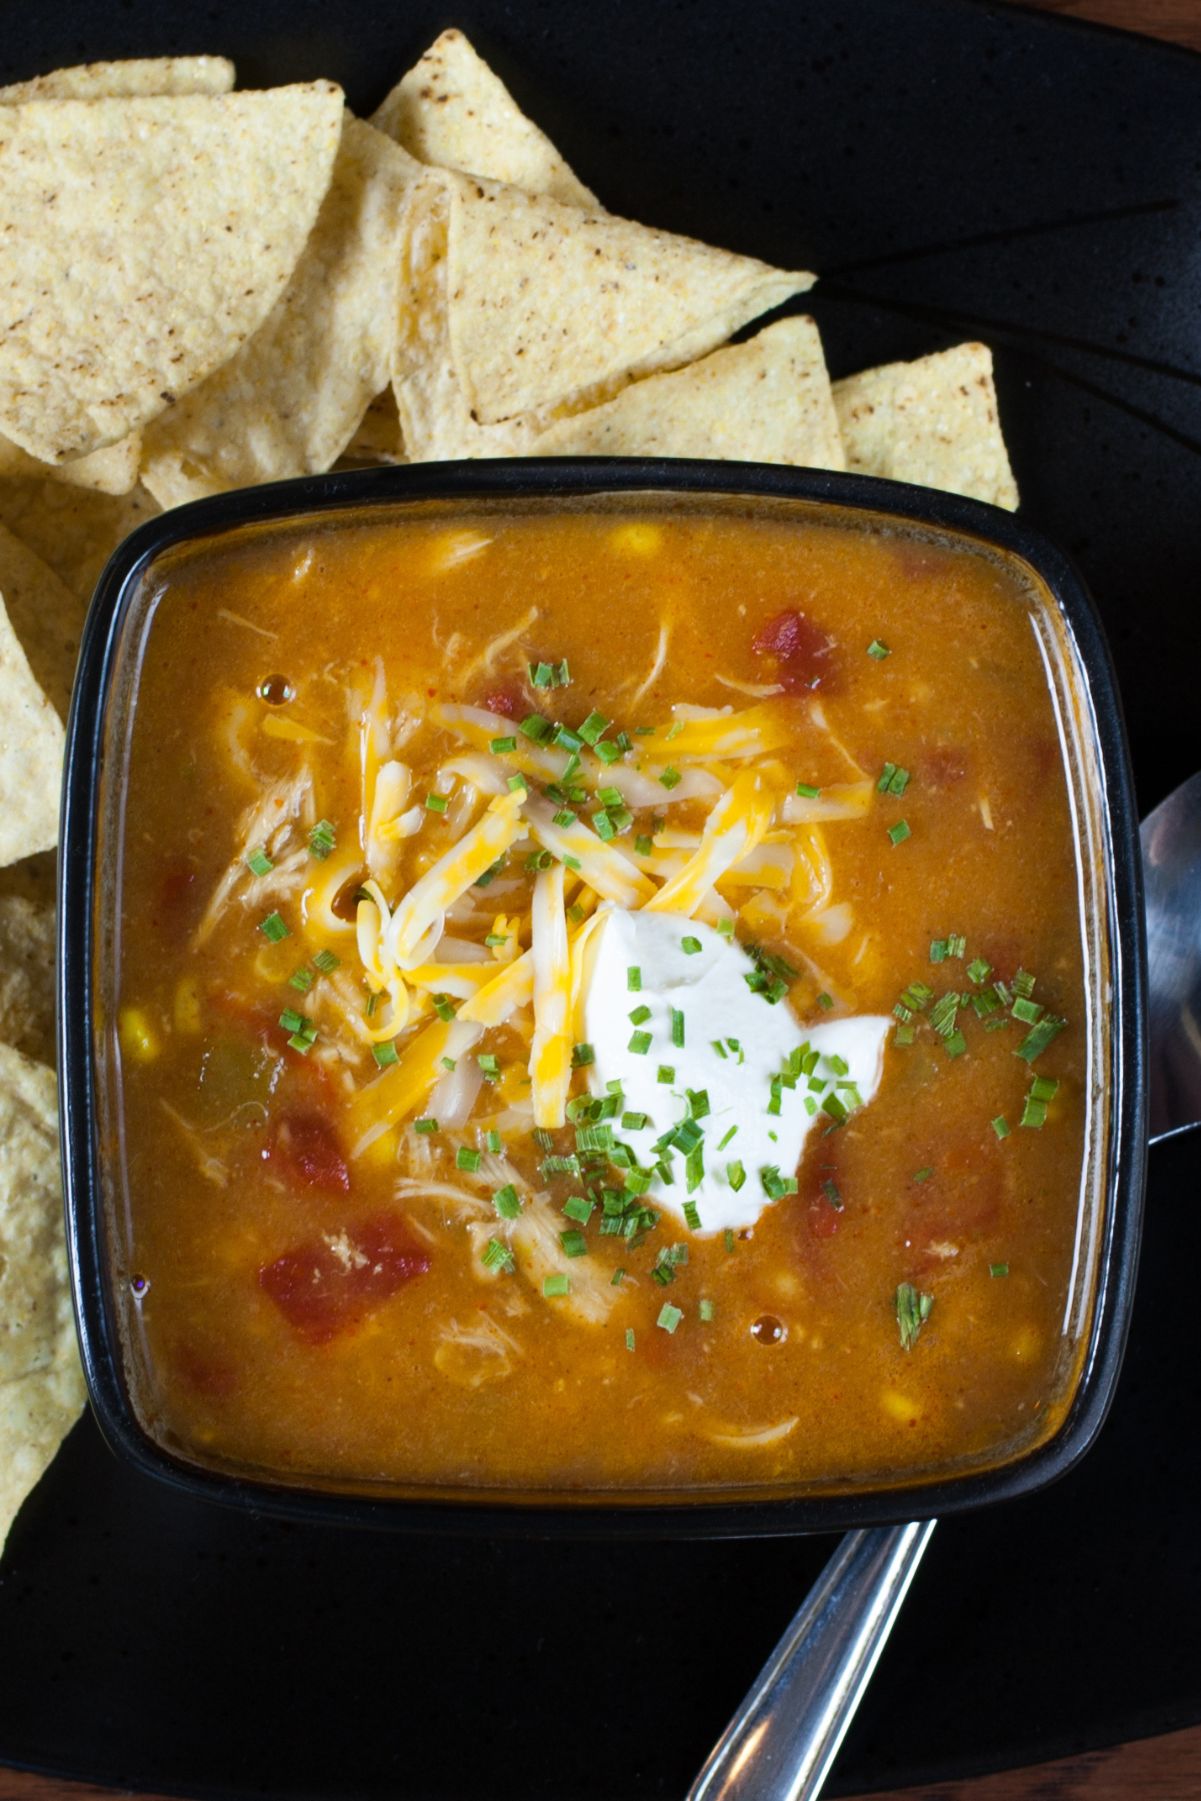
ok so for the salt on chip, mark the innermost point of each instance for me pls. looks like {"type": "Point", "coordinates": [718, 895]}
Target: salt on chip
{"type": "Point", "coordinates": [451, 110]}
{"type": "Point", "coordinates": [31, 755]}
{"type": "Point", "coordinates": [73, 531]}
{"type": "Point", "coordinates": [765, 401]}
{"type": "Point", "coordinates": [933, 422]}
{"type": "Point", "coordinates": [146, 239]}
{"type": "Point", "coordinates": [554, 306]}
{"type": "Point", "coordinates": [46, 617]}
{"type": "Point", "coordinates": [27, 976]}
{"type": "Point", "coordinates": [291, 399]}
{"type": "Point", "coordinates": [113, 470]}
{"type": "Point", "coordinates": [139, 75]}
{"type": "Point", "coordinates": [41, 1382]}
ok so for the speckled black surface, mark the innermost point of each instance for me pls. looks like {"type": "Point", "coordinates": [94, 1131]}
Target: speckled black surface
{"type": "Point", "coordinates": [954, 169]}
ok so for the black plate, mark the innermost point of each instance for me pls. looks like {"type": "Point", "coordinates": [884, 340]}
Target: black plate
{"type": "Point", "coordinates": [955, 170]}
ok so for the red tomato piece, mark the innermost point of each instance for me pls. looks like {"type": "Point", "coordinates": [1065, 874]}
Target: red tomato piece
{"type": "Point", "coordinates": [305, 1148]}
{"type": "Point", "coordinates": [804, 655]}
{"type": "Point", "coordinates": [329, 1285]}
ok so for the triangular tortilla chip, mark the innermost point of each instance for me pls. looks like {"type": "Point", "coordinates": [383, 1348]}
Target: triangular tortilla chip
{"type": "Point", "coordinates": [765, 401]}
{"type": "Point", "coordinates": [41, 1382]}
{"type": "Point", "coordinates": [552, 306]}
{"type": "Point", "coordinates": [436, 421]}
{"type": "Point", "coordinates": [143, 75]}
{"type": "Point", "coordinates": [113, 470]}
{"type": "Point", "coordinates": [27, 976]}
{"type": "Point", "coordinates": [73, 531]}
{"type": "Point", "coordinates": [290, 400]}
{"type": "Point", "coordinates": [45, 615]}
{"type": "Point", "coordinates": [933, 421]}
{"type": "Point", "coordinates": [452, 111]}
{"type": "Point", "coordinates": [145, 240]}
{"type": "Point", "coordinates": [31, 755]}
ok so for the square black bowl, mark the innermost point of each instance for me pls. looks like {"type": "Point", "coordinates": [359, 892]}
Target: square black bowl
{"type": "Point", "coordinates": [1111, 868]}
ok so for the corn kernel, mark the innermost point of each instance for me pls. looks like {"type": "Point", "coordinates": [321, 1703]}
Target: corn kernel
{"type": "Point", "coordinates": [639, 539]}
{"type": "Point", "coordinates": [899, 1407]}
{"type": "Point", "coordinates": [139, 1040]}
{"type": "Point", "coordinates": [187, 1006]}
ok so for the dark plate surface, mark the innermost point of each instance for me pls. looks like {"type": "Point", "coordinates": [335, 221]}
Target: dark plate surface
{"type": "Point", "coordinates": [956, 170]}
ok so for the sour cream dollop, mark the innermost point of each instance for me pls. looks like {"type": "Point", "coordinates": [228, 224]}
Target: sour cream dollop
{"type": "Point", "coordinates": [735, 1044]}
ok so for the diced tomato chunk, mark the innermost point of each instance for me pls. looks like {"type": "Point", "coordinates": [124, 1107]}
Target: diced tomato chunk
{"type": "Point", "coordinates": [507, 701]}
{"type": "Point", "coordinates": [804, 656]}
{"type": "Point", "coordinates": [329, 1285]}
{"type": "Point", "coordinates": [304, 1148]}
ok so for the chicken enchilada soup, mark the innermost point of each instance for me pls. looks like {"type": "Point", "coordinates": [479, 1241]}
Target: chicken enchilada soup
{"type": "Point", "coordinates": [600, 1004]}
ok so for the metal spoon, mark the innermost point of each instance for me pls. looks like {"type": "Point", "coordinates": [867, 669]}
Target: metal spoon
{"type": "Point", "coordinates": [784, 1738]}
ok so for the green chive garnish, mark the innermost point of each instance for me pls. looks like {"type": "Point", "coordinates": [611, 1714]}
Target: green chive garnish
{"type": "Point", "coordinates": [913, 1310]}
{"type": "Point", "coordinates": [998, 1269]}
{"type": "Point", "coordinates": [669, 1317]}
{"type": "Point", "coordinates": [640, 1043]}
{"type": "Point", "coordinates": [384, 1054]}
{"type": "Point", "coordinates": [677, 1028]}
{"type": "Point", "coordinates": [671, 778]}
{"type": "Point", "coordinates": [436, 803]}
{"type": "Point", "coordinates": [899, 832]}
{"type": "Point", "coordinates": [500, 746]}
{"type": "Point", "coordinates": [428, 1124]}
{"type": "Point", "coordinates": [259, 863]}
{"type": "Point", "coordinates": [466, 1158]}
{"type": "Point", "coordinates": [807, 791]}
{"type": "Point", "coordinates": [690, 946]}
{"type": "Point", "coordinates": [557, 1284]}
{"type": "Point", "coordinates": [273, 928]}
{"type": "Point", "coordinates": [878, 649]}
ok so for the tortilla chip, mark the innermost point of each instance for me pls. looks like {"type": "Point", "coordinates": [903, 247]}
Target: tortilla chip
{"type": "Point", "coordinates": [435, 419]}
{"type": "Point", "coordinates": [73, 531]}
{"type": "Point", "coordinates": [289, 402]}
{"type": "Point", "coordinates": [377, 438]}
{"type": "Point", "coordinates": [933, 421]}
{"type": "Point", "coordinates": [146, 239]}
{"type": "Point", "coordinates": [41, 1382]}
{"type": "Point", "coordinates": [765, 401]}
{"type": "Point", "coordinates": [113, 470]}
{"type": "Point", "coordinates": [46, 616]}
{"type": "Point", "coordinates": [452, 111]}
{"type": "Point", "coordinates": [552, 306]}
{"type": "Point", "coordinates": [27, 976]}
{"type": "Point", "coordinates": [143, 75]}
{"type": "Point", "coordinates": [31, 755]}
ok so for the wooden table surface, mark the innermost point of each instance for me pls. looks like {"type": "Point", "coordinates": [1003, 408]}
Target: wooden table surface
{"type": "Point", "coordinates": [1156, 1769]}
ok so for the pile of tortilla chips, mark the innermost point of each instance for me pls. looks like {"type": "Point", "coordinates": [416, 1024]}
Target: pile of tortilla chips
{"type": "Point", "coordinates": [206, 288]}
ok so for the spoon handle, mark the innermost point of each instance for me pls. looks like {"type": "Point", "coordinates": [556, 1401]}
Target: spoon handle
{"type": "Point", "coordinates": [780, 1744]}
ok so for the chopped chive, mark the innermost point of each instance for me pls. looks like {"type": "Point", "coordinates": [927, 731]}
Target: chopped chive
{"type": "Point", "coordinates": [274, 928]}
{"type": "Point", "coordinates": [322, 840]}
{"type": "Point", "coordinates": [575, 913]}
{"type": "Point", "coordinates": [725, 928]}
{"type": "Point", "coordinates": [582, 1055]}
{"type": "Point", "coordinates": [938, 949]}
{"type": "Point", "coordinates": [443, 1006]}
{"type": "Point", "coordinates": [922, 1175]}
{"type": "Point", "coordinates": [497, 1255]}
{"type": "Point", "coordinates": [577, 1207]}
{"type": "Point", "coordinates": [694, 1168]}
{"type": "Point", "coordinates": [635, 1122]}
{"type": "Point", "coordinates": [728, 1237]}
{"type": "Point", "coordinates": [690, 946]}
{"type": "Point", "coordinates": [574, 1243]}
{"type": "Point", "coordinates": [449, 1063]}
{"type": "Point", "coordinates": [616, 1279]}
{"type": "Point", "coordinates": [489, 1066]}
{"type": "Point", "coordinates": [326, 962]}
{"type": "Point", "coordinates": [998, 1269]}
{"type": "Point", "coordinates": [898, 833]}
{"type": "Point", "coordinates": [677, 1028]}
{"type": "Point", "coordinates": [303, 1042]}
{"type": "Point", "coordinates": [466, 1158]}
{"type": "Point", "coordinates": [1039, 1037]}
{"type": "Point", "coordinates": [725, 1141]}
{"type": "Point", "coordinates": [259, 863]}
{"type": "Point", "coordinates": [1000, 1126]}
{"type": "Point", "coordinates": [893, 779]}
{"type": "Point", "coordinates": [669, 1317]}
{"type": "Point", "coordinates": [517, 784]}
{"type": "Point", "coordinates": [629, 1338]}
{"type": "Point", "coordinates": [301, 979]}
{"type": "Point", "coordinates": [735, 1176]}
{"type": "Point", "coordinates": [291, 1021]}
{"type": "Point", "coordinates": [536, 727]}
{"type": "Point", "coordinates": [912, 1310]}
{"type": "Point", "coordinates": [633, 978]}
{"type": "Point", "coordinates": [705, 1310]}
{"type": "Point", "coordinates": [559, 1283]}
{"type": "Point", "coordinates": [436, 803]}
{"type": "Point", "coordinates": [878, 649]}
{"type": "Point", "coordinates": [665, 1073]}
{"type": "Point", "coordinates": [775, 1186]}
{"type": "Point", "coordinates": [671, 778]}
{"type": "Point", "coordinates": [594, 728]}
{"type": "Point", "coordinates": [565, 817]}
{"type": "Point", "coordinates": [954, 1044]}
{"type": "Point", "coordinates": [426, 1125]}
{"type": "Point", "coordinates": [978, 970]}
{"type": "Point", "coordinates": [500, 746]}
{"type": "Point", "coordinates": [825, 1001]}
{"type": "Point", "coordinates": [639, 1014]}
{"type": "Point", "coordinates": [643, 846]}
{"type": "Point", "coordinates": [372, 1004]}
{"type": "Point", "coordinates": [692, 1216]}
{"type": "Point", "coordinates": [807, 791]}
{"type": "Point", "coordinates": [384, 1054]}
{"type": "Point", "coordinates": [640, 1043]}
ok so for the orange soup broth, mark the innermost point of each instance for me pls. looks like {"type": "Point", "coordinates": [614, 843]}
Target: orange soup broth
{"type": "Point", "coordinates": [463, 1377]}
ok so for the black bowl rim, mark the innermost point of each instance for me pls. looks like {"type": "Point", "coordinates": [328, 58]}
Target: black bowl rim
{"type": "Point", "coordinates": [603, 1515]}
